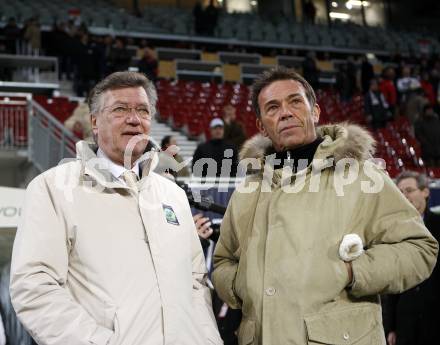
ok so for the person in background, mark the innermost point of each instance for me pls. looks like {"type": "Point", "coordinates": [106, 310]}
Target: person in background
{"type": "Point", "coordinates": [32, 35]}
{"type": "Point", "coordinates": [411, 318]}
{"type": "Point", "coordinates": [169, 160]}
{"type": "Point", "coordinates": [148, 64]}
{"type": "Point", "coordinates": [427, 87]}
{"type": "Point", "coordinates": [427, 132]}
{"type": "Point", "coordinates": [406, 86]}
{"type": "Point", "coordinates": [310, 69]}
{"type": "Point", "coordinates": [11, 32]}
{"type": "Point", "coordinates": [367, 74]}
{"type": "Point", "coordinates": [80, 122]}
{"type": "Point", "coordinates": [119, 57]}
{"type": "Point", "coordinates": [388, 89]}
{"type": "Point", "coordinates": [376, 107]}
{"type": "Point", "coordinates": [234, 132]}
{"type": "Point", "coordinates": [85, 73]}
{"type": "Point", "coordinates": [215, 157]}
{"type": "Point", "coordinates": [210, 16]}
{"type": "Point", "coordinates": [309, 10]}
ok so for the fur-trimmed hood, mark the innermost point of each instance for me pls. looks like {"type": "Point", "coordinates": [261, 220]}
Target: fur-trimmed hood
{"type": "Point", "coordinates": [342, 140]}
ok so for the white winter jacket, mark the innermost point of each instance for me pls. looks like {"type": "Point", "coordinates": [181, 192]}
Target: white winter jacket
{"type": "Point", "coordinates": [96, 263]}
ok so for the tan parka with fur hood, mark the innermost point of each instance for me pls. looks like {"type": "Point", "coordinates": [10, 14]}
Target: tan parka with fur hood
{"type": "Point", "coordinates": [277, 256]}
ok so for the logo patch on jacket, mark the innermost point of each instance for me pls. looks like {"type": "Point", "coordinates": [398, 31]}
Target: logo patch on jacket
{"type": "Point", "coordinates": [170, 216]}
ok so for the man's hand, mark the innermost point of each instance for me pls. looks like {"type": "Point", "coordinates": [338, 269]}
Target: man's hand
{"type": "Point", "coordinates": [203, 226]}
{"type": "Point", "coordinates": [391, 338]}
{"type": "Point", "coordinates": [350, 272]}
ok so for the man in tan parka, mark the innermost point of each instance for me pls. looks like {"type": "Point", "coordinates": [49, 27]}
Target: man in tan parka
{"type": "Point", "coordinates": [279, 255]}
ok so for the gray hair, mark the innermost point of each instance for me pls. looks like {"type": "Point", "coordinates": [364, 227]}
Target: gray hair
{"type": "Point", "coordinates": [121, 80]}
{"type": "Point", "coordinates": [422, 179]}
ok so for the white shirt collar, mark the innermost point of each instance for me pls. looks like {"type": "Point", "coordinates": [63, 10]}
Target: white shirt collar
{"type": "Point", "coordinates": [115, 169]}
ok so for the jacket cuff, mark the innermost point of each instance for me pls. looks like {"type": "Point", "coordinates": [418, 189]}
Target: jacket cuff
{"type": "Point", "coordinates": [101, 336]}
{"type": "Point", "coordinates": [359, 283]}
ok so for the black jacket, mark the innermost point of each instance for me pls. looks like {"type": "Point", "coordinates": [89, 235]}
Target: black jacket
{"type": "Point", "coordinates": [214, 149]}
{"type": "Point", "coordinates": [414, 314]}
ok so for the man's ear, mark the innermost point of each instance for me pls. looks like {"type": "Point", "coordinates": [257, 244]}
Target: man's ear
{"type": "Point", "coordinates": [316, 111]}
{"type": "Point", "coordinates": [425, 192]}
{"type": "Point", "coordinates": [94, 124]}
{"type": "Point", "coordinates": [261, 128]}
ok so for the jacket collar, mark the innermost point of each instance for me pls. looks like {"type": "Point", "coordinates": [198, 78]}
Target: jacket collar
{"type": "Point", "coordinates": [340, 141]}
{"type": "Point", "coordinates": [94, 168]}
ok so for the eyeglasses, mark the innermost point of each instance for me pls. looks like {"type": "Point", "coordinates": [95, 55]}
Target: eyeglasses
{"type": "Point", "coordinates": [122, 111]}
{"type": "Point", "coordinates": [409, 190]}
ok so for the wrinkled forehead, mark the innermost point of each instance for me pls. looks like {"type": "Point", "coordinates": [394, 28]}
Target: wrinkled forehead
{"type": "Point", "coordinates": [281, 89]}
{"type": "Point", "coordinates": [409, 182]}
{"type": "Point", "coordinates": [132, 96]}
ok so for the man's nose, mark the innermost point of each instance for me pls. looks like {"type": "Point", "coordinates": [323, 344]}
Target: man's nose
{"type": "Point", "coordinates": [133, 118]}
{"type": "Point", "coordinates": [286, 111]}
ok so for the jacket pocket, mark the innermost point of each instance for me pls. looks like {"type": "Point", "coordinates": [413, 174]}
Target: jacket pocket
{"type": "Point", "coordinates": [107, 331]}
{"type": "Point", "coordinates": [246, 332]}
{"type": "Point", "coordinates": [359, 325]}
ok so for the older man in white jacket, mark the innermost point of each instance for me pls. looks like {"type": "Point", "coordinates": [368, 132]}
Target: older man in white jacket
{"type": "Point", "coordinates": [108, 252]}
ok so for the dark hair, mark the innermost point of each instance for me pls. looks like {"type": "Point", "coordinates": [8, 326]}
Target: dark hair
{"type": "Point", "coordinates": [422, 180]}
{"type": "Point", "coordinates": [279, 73]}
{"type": "Point", "coordinates": [426, 107]}
{"type": "Point", "coordinates": [121, 80]}
{"type": "Point", "coordinates": [165, 141]}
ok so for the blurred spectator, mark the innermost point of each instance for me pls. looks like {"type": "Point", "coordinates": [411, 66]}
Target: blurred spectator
{"type": "Point", "coordinates": [32, 36]}
{"type": "Point", "coordinates": [85, 73]}
{"type": "Point", "coordinates": [310, 69]}
{"type": "Point", "coordinates": [411, 318]}
{"type": "Point", "coordinates": [217, 151]}
{"type": "Point", "coordinates": [199, 22]}
{"type": "Point", "coordinates": [427, 87]}
{"type": "Point", "coordinates": [169, 159]}
{"type": "Point", "coordinates": [376, 107]}
{"type": "Point", "coordinates": [119, 56]}
{"type": "Point", "coordinates": [427, 131]}
{"type": "Point", "coordinates": [12, 35]}
{"type": "Point", "coordinates": [414, 105]}
{"type": "Point", "coordinates": [61, 45]}
{"type": "Point", "coordinates": [148, 64]}
{"type": "Point", "coordinates": [143, 45]}
{"type": "Point", "coordinates": [345, 83]}
{"type": "Point", "coordinates": [234, 132]}
{"type": "Point", "coordinates": [80, 123]}
{"type": "Point", "coordinates": [98, 48]}
{"type": "Point", "coordinates": [309, 11]}
{"type": "Point", "coordinates": [210, 18]}
{"type": "Point", "coordinates": [406, 84]}
{"type": "Point", "coordinates": [367, 73]}
{"type": "Point", "coordinates": [388, 88]}
{"type": "Point", "coordinates": [107, 50]}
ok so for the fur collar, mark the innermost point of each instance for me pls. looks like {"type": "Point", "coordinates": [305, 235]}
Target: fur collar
{"type": "Point", "coordinates": [342, 140]}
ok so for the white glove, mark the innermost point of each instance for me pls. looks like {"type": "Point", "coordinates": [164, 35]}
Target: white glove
{"type": "Point", "coordinates": [351, 247]}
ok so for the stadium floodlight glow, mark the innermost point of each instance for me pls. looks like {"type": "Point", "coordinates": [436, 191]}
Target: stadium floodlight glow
{"type": "Point", "coordinates": [356, 3]}
{"type": "Point", "coordinates": [254, 3]}
{"type": "Point", "coordinates": [339, 15]}
{"type": "Point", "coordinates": [334, 4]}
